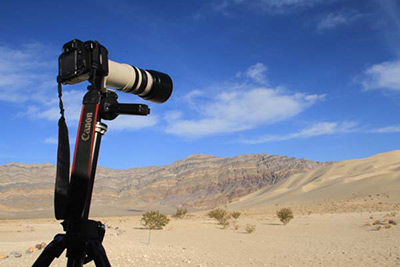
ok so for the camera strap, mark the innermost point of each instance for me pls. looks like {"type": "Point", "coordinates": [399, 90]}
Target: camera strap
{"type": "Point", "coordinates": [63, 164]}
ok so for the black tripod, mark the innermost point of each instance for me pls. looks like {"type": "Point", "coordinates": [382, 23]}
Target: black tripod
{"type": "Point", "coordinates": [83, 237]}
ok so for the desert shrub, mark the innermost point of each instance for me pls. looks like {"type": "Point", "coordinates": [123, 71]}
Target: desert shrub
{"type": "Point", "coordinates": [225, 222]}
{"type": "Point", "coordinates": [235, 214]}
{"type": "Point", "coordinates": [285, 215]}
{"type": "Point", "coordinates": [154, 220]}
{"type": "Point", "coordinates": [235, 225]}
{"type": "Point", "coordinates": [219, 214]}
{"type": "Point", "coordinates": [180, 213]}
{"type": "Point", "coordinates": [222, 216]}
{"type": "Point", "coordinates": [250, 228]}
{"type": "Point", "coordinates": [378, 222]}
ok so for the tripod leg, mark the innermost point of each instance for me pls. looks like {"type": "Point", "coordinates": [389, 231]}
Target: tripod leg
{"type": "Point", "coordinates": [96, 251]}
{"type": "Point", "coordinates": [53, 250]}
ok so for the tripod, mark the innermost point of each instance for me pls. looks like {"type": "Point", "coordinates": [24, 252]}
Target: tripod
{"type": "Point", "coordinates": [83, 237]}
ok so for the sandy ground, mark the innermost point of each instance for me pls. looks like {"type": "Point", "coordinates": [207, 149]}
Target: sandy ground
{"type": "Point", "coordinates": [343, 239]}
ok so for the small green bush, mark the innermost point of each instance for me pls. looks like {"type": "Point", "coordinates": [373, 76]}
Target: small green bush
{"type": "Point", "coordinates": [285, 215]}
{"type": "Point", "coordinates": [222, 216]}
{"type": "Point", "coordinates": [250, 228]}
{"type": "Point", "coordinates": [180, 213]}
{"type": "Point", "coordinates": [154, 220]}
{"type": "Point", "coordinates": [235, 214]}
{"type": "Point", "coordinates": [219, 214]}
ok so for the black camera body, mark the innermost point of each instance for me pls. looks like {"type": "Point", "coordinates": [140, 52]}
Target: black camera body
{"type": "Point", "coordinates": [79, 60]}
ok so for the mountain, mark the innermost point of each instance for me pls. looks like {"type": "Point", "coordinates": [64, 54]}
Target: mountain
{"type": "Point", "coordinates": [196, 182]}
{"type": "Point", "coordinates": [363, 182]}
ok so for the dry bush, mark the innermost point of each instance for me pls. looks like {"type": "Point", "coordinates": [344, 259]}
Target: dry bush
{"type": "Point", "coordinates": [218, 214]}
{"type": "Point", "coordinates": [180, 214]}
{"type": "Point", "coordinates": [378, 222]}
{"type": "Point", "coordinates": [235, 225]}
{"type": "Point", "coordinates": [387, 226]}
{"type": "Point", "coordinates": [235, 214]}
{"type": "Point", "coordinates": [285, 215]}
{"type": "Point", "coordinates": [154, 220]}
{"type": "Point", "coordinates": [222, 216]}
{"type": "Point", "coordinates": [250, 228]}
{"type": "Point", "coordinates": [224, 222]}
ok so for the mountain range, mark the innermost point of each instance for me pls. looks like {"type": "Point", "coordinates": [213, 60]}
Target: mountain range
{"type": "Point", "coordinates": [200, 182]}
{"type": "Point", "coordinates": [196, 182]}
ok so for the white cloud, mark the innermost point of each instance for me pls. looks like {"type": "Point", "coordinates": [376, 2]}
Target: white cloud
{"type": "Point", "coordinates": [241, 109]}
{"type": "Point", "coordinates": [271, 6]}
{"type": "Point", "coordinates": [388, 129]}
{"type": "Point", "coordinates": [51, 140]}
{"type": "Point", "coordinates": [131, 122]}
{"type": "Point", "coordinates": [257, 73]}
{"type": "Point", "coordinates": [335, 19]}
{"type": "Point", "coordinates": [318, 129]}
{"type": "Point", "coordinates": [25, 73]}
{"type": "Point", "coordinates": [385, 75]}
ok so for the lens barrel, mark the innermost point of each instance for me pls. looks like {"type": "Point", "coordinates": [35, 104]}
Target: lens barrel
{"type": "Point", "coordinates": [148, 84]}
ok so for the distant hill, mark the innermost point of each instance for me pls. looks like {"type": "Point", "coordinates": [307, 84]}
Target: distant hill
{"type": "Point", "coordinates": [373, 180]}
{"type": "Point", "coordinates": [196, 182]}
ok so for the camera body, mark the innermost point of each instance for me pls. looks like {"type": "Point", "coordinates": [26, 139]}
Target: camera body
{"type": "Point", "coordinates": [79, 59]}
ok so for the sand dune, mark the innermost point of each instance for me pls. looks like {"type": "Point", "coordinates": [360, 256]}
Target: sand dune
{"type": "Point", "coordinates": [378, 175]}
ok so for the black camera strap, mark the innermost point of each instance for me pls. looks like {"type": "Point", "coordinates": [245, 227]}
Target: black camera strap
{"type": "Point", "coordinates": [63, 164]}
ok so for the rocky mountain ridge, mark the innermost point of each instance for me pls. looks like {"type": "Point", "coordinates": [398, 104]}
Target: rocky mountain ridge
{"type": "Point", "coordinates": [196, 182]}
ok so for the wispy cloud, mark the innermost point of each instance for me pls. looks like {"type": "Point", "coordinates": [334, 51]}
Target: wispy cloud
{"type": "Point", "coordinates": [51, 140]}
{"type": "Point", "coordinates": [132, 122]}
{"type": "Point", "coordinates": [28, 76]}
{"type": "Point", "coordinates": [270, 6]}
{"type": "Point", "coordinates": [318, 129]}
{"type": "Point", "coordinates": [232, 110]}
{"type": "Point", "coordinates": [257, 73]}
{"type": "Point", "coordinates": [387, 129]}
{"type": "Point", "coordinates": [391, 8]}
{"type": "Point", "coordinates": [322, 129]}
{"type": "Point", "coordinates": [385, 75]}
{"type": "Point", "coordinates": [26, 73]}
{"type": "Point", "coordinates": [336, 19]}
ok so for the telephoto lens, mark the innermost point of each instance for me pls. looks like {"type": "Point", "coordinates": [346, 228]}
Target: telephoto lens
{"type": "Point", "coordinates": [148, 84]}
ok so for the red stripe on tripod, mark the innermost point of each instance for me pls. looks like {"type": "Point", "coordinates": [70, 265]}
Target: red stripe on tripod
{"type": "Point", "coordinates": [77, 139]}
{"type": "Point", "coordinates": [92, 141]}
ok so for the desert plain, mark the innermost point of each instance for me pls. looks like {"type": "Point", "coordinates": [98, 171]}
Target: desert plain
{"type": "Point", "coordinates": [343, 239]}
{"type": "Point", "coordinates": [345, 214]}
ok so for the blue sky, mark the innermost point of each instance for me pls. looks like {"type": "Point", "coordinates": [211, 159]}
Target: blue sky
{"type": "Point", "coordinates": [318, 79]}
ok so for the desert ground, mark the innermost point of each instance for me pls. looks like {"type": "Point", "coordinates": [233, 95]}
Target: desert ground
{"type": "Point", "coordinates": [315, 238]}
{"type": "Point", "coordinates": [345, 214]}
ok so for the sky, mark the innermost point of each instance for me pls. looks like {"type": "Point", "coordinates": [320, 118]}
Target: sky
{"type": "Point", "coordinates": [314, 79]}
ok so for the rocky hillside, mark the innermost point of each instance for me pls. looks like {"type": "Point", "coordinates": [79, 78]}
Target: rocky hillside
{"type": "Point", "coordinates": [197, 182]}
